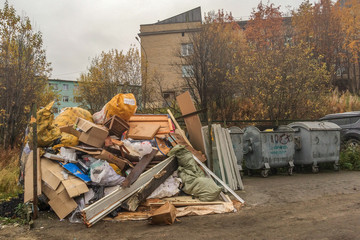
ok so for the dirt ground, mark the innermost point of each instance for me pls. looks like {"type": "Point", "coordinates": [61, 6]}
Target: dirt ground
{"type": "Point", "coordinates": [303, 206]}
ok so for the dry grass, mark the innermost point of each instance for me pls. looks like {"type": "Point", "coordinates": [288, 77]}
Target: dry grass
{"type": "Point", "coordinates": [343, 102]}
{"type": "Point", "coordinates": [9, 173]}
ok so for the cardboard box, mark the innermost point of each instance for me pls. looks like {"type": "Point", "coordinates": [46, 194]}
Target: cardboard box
{"type": "Point", "coordinates": [70, 129]}
{"type": "Point", "coordinates": [91, 133]}
{"type": "Point", "coordinates": [52, 175]}
{"type": "Point", "coordinates": [60, 201]}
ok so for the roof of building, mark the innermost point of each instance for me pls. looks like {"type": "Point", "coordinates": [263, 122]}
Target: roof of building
{"type": "Point", "coordinates": [193, 15]}
{"type": "Point", "coordinates": [62, 80]}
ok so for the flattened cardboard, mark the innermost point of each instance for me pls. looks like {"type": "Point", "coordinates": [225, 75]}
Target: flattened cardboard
{"type": "Point", "coordinates": [75, 187]}
{"type": "Point", "coordinates": [28, 179]}
{"type": "Point", "coordinates": [91, 133]}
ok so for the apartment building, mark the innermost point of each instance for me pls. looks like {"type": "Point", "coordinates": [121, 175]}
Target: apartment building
{"type": "Point", "coordinates": [65, 88]}
{"type": "Point", "coordinates": [161, 44]}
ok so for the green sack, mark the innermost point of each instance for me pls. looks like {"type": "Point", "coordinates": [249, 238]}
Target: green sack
{"type": "Point", "coordinates": [195, 181]}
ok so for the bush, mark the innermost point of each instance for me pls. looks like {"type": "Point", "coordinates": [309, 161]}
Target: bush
{"type": "Point", "coordinates": [350, 158]}
{"type": "Point", "coordinates": [9, 173]}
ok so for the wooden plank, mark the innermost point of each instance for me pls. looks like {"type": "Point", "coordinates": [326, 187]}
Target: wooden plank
{"type": "Point", "coordinates": [234, 160]}
{"type": "Point", "coordinates": [226, 158]}
{"type": "Point", "coordinates": [134, 201]}
{"type": "Point", "coordinates": [219, 154]}
{"type": "Point", "coordinates": [29, 176]}
{"type": "Point", "coordinates": [178, 129]}
{"type": "Point", "coordinates": [193, 123]}
{"type": "Point", "coordinates": [143, 131]}
{"type": "Point", "coordinates": [139, 168]}
{"type": "Point", "coordinates": [148, 118]}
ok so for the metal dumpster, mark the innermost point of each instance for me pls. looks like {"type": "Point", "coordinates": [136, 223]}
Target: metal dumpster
{"type": "Point", "coordinates": [269, 149]}
{"type": "Point", "coordinates": [236, 135]}
{"type": "Point", "coordinates": [316, 142]}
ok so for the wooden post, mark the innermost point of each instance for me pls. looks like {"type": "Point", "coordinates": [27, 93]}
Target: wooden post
{"type": "Point", "coordinates": [34, 127]}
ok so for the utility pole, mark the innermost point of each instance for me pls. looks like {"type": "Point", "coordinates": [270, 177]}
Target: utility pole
{"type": "Point", "coordinates": [145, 75]}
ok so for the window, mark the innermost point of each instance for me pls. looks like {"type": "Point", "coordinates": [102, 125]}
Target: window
{"type": "Point", "coordinates": [187, 71]}
{"type": "Point", "coordinates": [65, 86]}
{"type": "Point", "coordinates": [168, 95]}
{"type": "Point", "coordinates": [65, 99]}
{"type": "Point", "coordinates": [187, 49]}
{"type": "Point", "coordinates": [54, 86]}
{"type": "Point", "coordinates": [77, 99]}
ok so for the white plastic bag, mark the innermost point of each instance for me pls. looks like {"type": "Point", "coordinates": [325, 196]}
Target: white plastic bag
{"type": "Point", "coordinates": [142, 148]}
{"type": "Point", "coordinates": [101, 173]}
{"type": "Point", "coordinates": [99, 117]}
{"type": "Point", "coordinates": [168, 188]}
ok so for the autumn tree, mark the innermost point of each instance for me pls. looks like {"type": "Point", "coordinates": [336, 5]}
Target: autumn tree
{"type": "Point", "coordinates": [109, 73]}
{"type": "Point", "coordinates": [348, 13]}
{"type": "Point", "coordinates": [24, 72]}
{"type": "Point", "coordinates": [281, 80]}
{"type": "Point", "coordinates": [318, 26]}
{"type": "Point", "coordinates": [211, 64]}
{"type": "Point", "coordinates": [265, 29]}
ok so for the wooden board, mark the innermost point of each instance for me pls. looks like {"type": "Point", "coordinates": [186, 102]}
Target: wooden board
{"type": "Point", "coordinates": [163, 120]}
{"type": "Point", "coordinates": [148, 118]}
{"type": "Point", "coordinates": [193, 123]}
{"type": "Point", "coordinates": [139, 168]}
{"type": "Point", "coordinates": [143, 131]}
{"type": "Point", "coordinates": [28, 179]}
{"type": "Point", "coordinates": [134, 201]}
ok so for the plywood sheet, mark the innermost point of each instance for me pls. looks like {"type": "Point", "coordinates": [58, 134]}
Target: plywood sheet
{"type": "Point", "coordinates": [143, 131]}
{"type": "Point", "coordinates": [193, 123]}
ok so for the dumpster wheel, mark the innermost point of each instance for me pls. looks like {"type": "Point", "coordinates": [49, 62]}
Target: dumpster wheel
{"type": "Point", "coordinates": [315, 169]}
{"type": "Point", "coordinates": [265, 173]}
{"type": "Point", "coordinates": [290, 171]}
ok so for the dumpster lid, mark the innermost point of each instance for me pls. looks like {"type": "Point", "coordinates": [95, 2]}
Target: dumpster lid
{"type": "Point", "coordinates": [235, 129]}
{"type": "Point", "coordinates": [316, 126]}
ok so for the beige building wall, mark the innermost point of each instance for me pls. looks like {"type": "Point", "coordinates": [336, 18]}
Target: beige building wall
{"type": "Point", "coordinates": [161, 46]}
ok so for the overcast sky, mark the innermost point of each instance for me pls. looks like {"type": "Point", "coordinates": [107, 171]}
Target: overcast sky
{"type": "Point", "coordinates": [74, 31]}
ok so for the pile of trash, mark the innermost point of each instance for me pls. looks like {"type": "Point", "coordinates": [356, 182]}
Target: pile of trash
{"type": "Point", "coordinates": [117, 165]}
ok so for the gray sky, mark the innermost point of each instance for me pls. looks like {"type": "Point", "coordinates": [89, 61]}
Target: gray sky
{"type": "Point", "coordinates": [74, 31]}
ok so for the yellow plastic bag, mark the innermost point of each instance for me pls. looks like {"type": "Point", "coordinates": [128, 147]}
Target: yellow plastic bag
{"type": "Point", "coordinates": [67, 140]}
{"type": "Point", "coordinates": [47, 132]}
{"type": "Point", "coordinates": [122, 105]}
{"type": "Point", "coordinates": [70, 114]}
